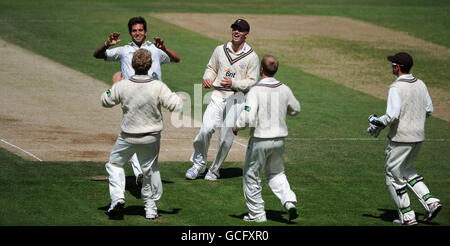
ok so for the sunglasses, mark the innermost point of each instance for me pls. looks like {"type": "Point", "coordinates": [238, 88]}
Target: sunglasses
{"type": "Point", "coordinates": [395, 65]}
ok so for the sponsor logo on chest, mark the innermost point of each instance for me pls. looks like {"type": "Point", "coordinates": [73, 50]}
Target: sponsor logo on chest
{"type": "Point", "coordinates": [229, 73]}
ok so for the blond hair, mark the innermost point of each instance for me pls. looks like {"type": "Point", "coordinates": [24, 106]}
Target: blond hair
{"type": "Point", "coordinates": [269, 65]}
{"type": "Point", "coordinates": [141, 61]}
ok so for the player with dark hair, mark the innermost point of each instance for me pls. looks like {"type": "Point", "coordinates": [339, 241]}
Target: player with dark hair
{"type": "Point", "coordinates": [161, 54]}
{"type": "Point", "coordinates": [408, 106]}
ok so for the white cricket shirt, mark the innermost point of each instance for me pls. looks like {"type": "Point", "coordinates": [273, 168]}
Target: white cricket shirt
{"type": "Point", "coordinates": [124, 54]}
{"type": "Point", "coordinates": [241, 67]}
{"type": "Point", "coordinates": [266, 107]}
{"type": "Point", "coordinates": [408, 105]}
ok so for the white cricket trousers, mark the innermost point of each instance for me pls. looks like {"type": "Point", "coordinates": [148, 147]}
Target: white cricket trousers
{"type": "Point", "coordinates": [219, 112]}
{"type": "Point", "coordinates": [400, 175]}
{"type": "Point", "coordinates": [147, 155]}
{"type": "Point", "coordinates": [135, 165]}
{"type": "Point", "coordinates": [265, 155]}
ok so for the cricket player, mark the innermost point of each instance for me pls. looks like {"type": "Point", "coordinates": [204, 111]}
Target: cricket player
{"type": "Point", "coordinates": [266, 107]}
{"type": "Point", "coordinates": [141, 98]}
{"type": "Point", "coordinates": [408, 106]}
{"type": "Point", "coordinates": [161, 54]}
{"type": "Point", "coordinates": [231, 71]}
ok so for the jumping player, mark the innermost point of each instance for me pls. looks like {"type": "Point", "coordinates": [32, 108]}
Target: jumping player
{"type": "Point", "coordinates": [231, 71]}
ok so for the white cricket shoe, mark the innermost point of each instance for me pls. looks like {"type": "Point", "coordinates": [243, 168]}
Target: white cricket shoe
{"type": "Point", "coordinates": [435, 207]}
{"type": "Point", "coordinates": [151, 214]}
{"type": "Point", "coordinates": [211, 176]}
{"type": "Point", "coordinates": [258, 219]}
{"type": "Point", "coordinates": [408, 222]}
{"type": "Point", "coordinates": [194, 171]}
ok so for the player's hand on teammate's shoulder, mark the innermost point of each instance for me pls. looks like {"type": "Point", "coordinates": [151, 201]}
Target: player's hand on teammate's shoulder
{"type": "Point", "coordinates": [113, 39]}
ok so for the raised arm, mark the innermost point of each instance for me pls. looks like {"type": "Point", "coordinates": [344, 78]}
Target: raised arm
{"type": "Point", "coordinates": [159, 43]}
{"type": "Point", "coordinates": [113, 39]}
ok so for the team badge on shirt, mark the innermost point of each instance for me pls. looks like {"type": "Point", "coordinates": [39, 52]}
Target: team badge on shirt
{"type": "Point", "coordinates": [242, 66]}
{"type": "Point", "coordinates": [247, 108]}
{"type": "Point", "coordinates": [108, 93]}
{"type": "Point", "coordinates": [155, 76]}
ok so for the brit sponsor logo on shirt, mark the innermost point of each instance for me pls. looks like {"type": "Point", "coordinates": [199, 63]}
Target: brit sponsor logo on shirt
{"type": "Point", "coordinates": [229, 73]}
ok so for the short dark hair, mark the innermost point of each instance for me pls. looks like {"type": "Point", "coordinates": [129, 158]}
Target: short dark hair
{"type": "Point", "coordinates": [137, 20]}
{"type": "Point", "coordinates": [269, 65]}
{"type": "Point", "coordinates": [141, 61]}
{"type": "Point", "coordinates": [405, 69]}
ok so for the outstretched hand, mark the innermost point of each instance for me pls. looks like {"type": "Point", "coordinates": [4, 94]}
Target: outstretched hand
{"type": "Point", "coordinates": [113, 39]}
{"type": "Point", "coordinates": [159, 43]}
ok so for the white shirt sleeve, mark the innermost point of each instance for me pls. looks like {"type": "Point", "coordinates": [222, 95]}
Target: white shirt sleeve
{"type": "Point", "coordinates": [250, 113]}
{"type": "Point", "coordinates": [114, 54]}
{"type": "Point", "coordinates": [394, 104]}
{"type": "Point", "coordinates": [163, 57]}
{"type": "Point", "coordinates": [293, 105]}
{"type": "Point", "coordinates": [429, 107]}
{"type": "Point", "coordinates": [111, 97]}
{"type": "Point", "coordinates": [170, 100]}
{"type": "Point", "coordinates": [212, 67]}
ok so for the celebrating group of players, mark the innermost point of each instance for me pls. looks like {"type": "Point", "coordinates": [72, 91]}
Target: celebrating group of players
{"type": "Point", "coordinates": [238, 101]}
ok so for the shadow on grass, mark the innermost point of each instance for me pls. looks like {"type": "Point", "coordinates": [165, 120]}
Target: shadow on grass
{"type": "Point", "coordinates": [225, 173]}
{"type": "Point", "coordinates": [232, 172]}
{"type": "Point", "coordinates": [278, 216]}
{"type": "Point", "coordinates": [390, 215]}
{"type": "Point", "coordinates": [137, 211]}
{"type": "Point", "coordinates": [131, 186]}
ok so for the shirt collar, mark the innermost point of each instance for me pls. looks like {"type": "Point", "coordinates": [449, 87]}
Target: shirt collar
{"type": "Point", "coordinates": [243, 50]}
{"type": "Point", "coordinates": [145, 44]}
{"type": "Point", "coordinates": [405, 76]}
{"type": "Point", "coordinates": [270, 80]}
{"type": "Point", "coordinates": [141, 77]}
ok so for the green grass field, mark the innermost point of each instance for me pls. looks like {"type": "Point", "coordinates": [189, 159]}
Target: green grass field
{"type": "Point", "coordinates": [333, 166]}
